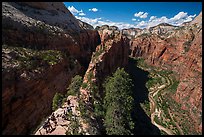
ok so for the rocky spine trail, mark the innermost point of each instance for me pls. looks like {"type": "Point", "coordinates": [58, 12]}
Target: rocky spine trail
{"type": "Point", "coordinates": [102, 64]}
{"type": "Point", "coordinates": [62, 123]}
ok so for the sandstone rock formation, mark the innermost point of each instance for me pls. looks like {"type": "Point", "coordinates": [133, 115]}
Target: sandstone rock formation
{"type": "Point", "coordinates": [31, 31]}
{"type": "Point", "coordinates": [50, 28]}
{"type": "Point", "coordinates": [103, 63]}
{"type": "Point", "coordinates": [27, 92]}
{"type": "Point", "coordinates": [178, 49]}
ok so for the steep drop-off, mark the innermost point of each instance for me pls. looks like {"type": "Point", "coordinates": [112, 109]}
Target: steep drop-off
{"type": "Point", "coordinates": [44, 46]}
{"type": "Point", "coordinates": [178, 49]}
{"type": "Point", "coordinates": [29, 29]}
{"type": "Point", "coordinates": [103, 63]}
{"type": "Point", "coordinates": [110, 54]}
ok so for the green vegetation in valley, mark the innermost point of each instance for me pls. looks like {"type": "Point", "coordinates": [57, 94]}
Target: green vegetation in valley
{"type": "Point", "coordinates": [84, 85]}
{"type": "Point", "coordinates": [118, 103]}
{"type": "Point", "coordinates": [74, 125]}
{"type": "Point", "coordinates": [174, 86]}
{"type": "Point", "coordinates": [159, 77]}
{"type": "Point", "coordinates": [153, 81]}
{"type": "Point", "coordinates": [146, 107]}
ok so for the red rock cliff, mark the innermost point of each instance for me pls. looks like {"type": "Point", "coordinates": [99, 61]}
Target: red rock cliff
{"type": "Point", "coordinates": [27, 95]}
{"type": "Point", "coordinates": [178, 49]}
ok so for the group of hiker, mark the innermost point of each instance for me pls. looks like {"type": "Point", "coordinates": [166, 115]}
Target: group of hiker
{"type": "Point", "coordinates": [47, 125]}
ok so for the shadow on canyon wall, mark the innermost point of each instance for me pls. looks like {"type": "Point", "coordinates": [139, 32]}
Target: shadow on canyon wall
{"type": "Point", "coordinates": [143, 125]}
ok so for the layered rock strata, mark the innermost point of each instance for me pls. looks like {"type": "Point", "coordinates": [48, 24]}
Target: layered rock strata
{"type": "Point", "coordinates": [27, 92]}
{"type": "Point", "coordinates": [178, 49]}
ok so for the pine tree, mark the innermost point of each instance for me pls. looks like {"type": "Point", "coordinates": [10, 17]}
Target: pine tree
{"type": "Point", "coordinates": [118, 103]}
{"type": "Point", "coordinates": [75, 85]}
{"type": "Point", "coordinates": [57, 101]}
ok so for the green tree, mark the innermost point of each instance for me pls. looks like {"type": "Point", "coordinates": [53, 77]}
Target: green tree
{"type": "Point", "coordinates": [57, 101]}
{"type": "Point", "coordinates": [75, 85]}
{"type": "Point", "coordinates": [73, 128]}
{"type": "Point", "coordinates": [118, 103]}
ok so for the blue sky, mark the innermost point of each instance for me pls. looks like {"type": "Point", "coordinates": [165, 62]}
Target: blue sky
{"type": "Point", "coordinates": [134, 14]}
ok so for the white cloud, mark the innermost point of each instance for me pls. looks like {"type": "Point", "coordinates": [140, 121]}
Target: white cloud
{"type": "Point", "coordinates": [190, 18]}
{"type": "Point", "coordinates": [138, 14]}
{"type": "Point", "coordinates": [144, 15]}
{"type": "Point", "coordinates": [98, 22]}
{"type": "Point", "coordinates": [133, 19]}
{"type": "Point", "coordinates": [141, 14]}
{"type": "Point", "coordinates": [142, 24]}
{"type": "Point", "coordinates": [82, 14]}
{"type": "Point", "coordinates": [93, 9]}
{"type": "Point", "coordinates": [180, 15]}
{"type": "Point", "coordinates": [152, 18]}
{"type": "Point", "coordinates": [176, 20]}
{"type": "Point", "coordinates": [74, 11]}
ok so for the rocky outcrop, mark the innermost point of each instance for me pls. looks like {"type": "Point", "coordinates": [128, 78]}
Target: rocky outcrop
{"type": "Point", "coordinates": [189, 91]}
{"type": "Point", "coordinates": [197, 20]}
{"type": "Point", "coordinates": [47, 27]}
{"type": "Point", "coordinates": [111, 54]}
{"type": "Point", "coordinates": [178, 49]}
{"type": "Point", "coordinates": [28, 90]}
{"type": "Point", "coordinates": [26, 102]}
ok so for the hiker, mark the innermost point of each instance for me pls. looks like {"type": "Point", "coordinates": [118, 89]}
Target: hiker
{"type": "Point", "coordinates": [64, 117]}
{"type": "Point", "coordinates": [54, 119]}
{"type": "Point", "coordinates": [65, 113]}
{"type": "Point", "coordinates": [68, 102]}
{"type": "Point", "coordinates": [69, 109]}
{"type": "Point", "coordinates": [49, 125]}
{"type": "Point", "coordinates": [45, 126]}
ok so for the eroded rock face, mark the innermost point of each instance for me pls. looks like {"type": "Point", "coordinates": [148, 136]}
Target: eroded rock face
{"type": "Point", "coordinates": [189, 92]}
{"type": "Point", "coordinates": [110, 54]}
{"type": "Point", "coordinates": [26, 102]}
{"type": "Point", "coordinates": [27, 96]}
{"type": "Point", "coordinates": [47, 27]}
{"type": "Point", "coordinates": [178, 49]}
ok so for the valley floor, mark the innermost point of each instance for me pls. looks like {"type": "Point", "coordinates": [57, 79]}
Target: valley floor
{"type": "Point", "coordinates": [160, 107]}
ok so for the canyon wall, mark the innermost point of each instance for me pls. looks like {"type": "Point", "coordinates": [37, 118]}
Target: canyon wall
{"type": "Point", "coordinates": [178, 49]}
{"type": "Point", "coordinates": [32, 28]}
{"type": "Point", "coordinates": [110, 54]}
{"type": "Point", "coordinates": [29, 28]}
